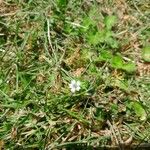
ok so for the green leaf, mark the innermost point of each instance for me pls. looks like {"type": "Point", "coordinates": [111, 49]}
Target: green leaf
{"type": "Point", "coordinates": [94, 39]}
{"type": "Point", "coordinates": [129, 67]}
{"type": "Point", "coordinates": [91, 20]}
{"type": "Point", "coordinates": [110, 21]}
{"type": "Point", "coordinates": [139, 110]}
{"type": "Point", "coordinates": [108, 34]}
{"type": "Point", "coordinates": [87, 22]}
{"type": "Point", "coordinates": [99, 114]}
{"type": "Point", "coordinates": [77, 116]}
{"type": "Point", "coordinates": [105, 55]}
{"type": "Point", "coordinates": [105, 35]}
{"type": "Point", "coordinates": [1, 81]}
{"type": "Point", "coordinates": [146, 54]}
{"type": "Point", "coordinates": [117, 62]}
{"type": "Point", "coordinates": [94, 14]}
{"type": "Point", "coordinates": [92, 68]}
{"type": "Point", "coordinates": [114, 108]}
{"type": "Point", "coordinates": [62, 3]}
{"type": "Point", "coordinates": [112, 42]}
{"type": "Point", "coordinates": [121, 84]}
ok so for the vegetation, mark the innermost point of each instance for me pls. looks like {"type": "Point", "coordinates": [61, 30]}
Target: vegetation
{"type": "Point", "coordinates": [104, 45]}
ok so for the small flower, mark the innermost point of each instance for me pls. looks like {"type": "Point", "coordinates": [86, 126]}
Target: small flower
{"type": "Point", "coordinates": [74, 86]}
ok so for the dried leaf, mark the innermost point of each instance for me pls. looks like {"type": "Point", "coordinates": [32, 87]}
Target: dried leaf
{"type": "Point", "coordinates": [143, 69]}
{"type": "Point", "coordinates": [73, 57]}
{"type": "Point", "coordinates": [1, 1]}
{"type": "Point", "coordinates": [1, 144]}
{"type": "Point", "coordinates": [13, 133]}
{"type": "Point", "coordinates": [78, 71]}
{"type": "Point", "coordinates": [128, 141]}
{"type": "Point", "coordinates": [40, 78]}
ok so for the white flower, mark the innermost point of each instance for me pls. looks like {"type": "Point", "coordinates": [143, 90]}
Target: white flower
{"type": "Point", "coordinates": [74, 86]}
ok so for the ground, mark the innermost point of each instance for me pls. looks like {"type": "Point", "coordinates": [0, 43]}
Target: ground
{"type": "Point", "coordinates": [102, 44]}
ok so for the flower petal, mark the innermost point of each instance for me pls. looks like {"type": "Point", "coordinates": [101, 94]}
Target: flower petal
{"type": "Point", "coordinates": [73, 90]}
{"type": "Point", "coordinates": [73, 82]}
{"type": "Point", "coordinates": [71, 86]}
{"type": "Point", "coordinates": [78, 88]}
{"type": "Point", "coordinates": [78, 83]}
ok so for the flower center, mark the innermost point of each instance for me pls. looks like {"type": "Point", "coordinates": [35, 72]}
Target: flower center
{"type": "Point", "coordinates": [74, 86]}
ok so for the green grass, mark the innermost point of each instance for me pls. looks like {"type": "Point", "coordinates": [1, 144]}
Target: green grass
{"type": "Point", "coordinates": [44, 45]}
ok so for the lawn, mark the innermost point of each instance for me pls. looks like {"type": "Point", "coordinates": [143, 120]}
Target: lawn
{"type": "Point", "coordinates": [74, 74]}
